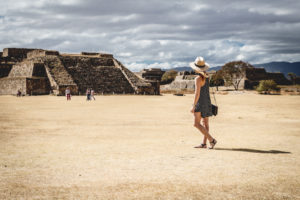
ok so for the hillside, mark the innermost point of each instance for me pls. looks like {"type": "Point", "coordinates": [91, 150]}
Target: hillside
{"type": "Point", "coordinates": [283, 67]}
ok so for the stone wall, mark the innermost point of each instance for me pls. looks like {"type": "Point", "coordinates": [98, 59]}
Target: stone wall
{"type": "Point", "coordinates": [19, 53]}
{"type": "Point", "coordinates": [41, 53]}
{"type": "Point", "coordinates": [153, 74]}
{"type": "Point", "coordinates": [39, 70]}
{"type": "Point", "coordinates": [8, 60]}
{"type": "Point", "coordinates": [254, 75]}
{"type": "Point", "coordinates": [180, 85]}
{"type": "Point", "coordinates": [37, 86]}
{"type": "Point", "coordinates": [31, 86]}
{"type": "Point", "coordinates": [106, 55]}
{"type": "Point", "coordinates": [12, 85]}
{"type": "Point", "coordinates": [279, 78]}
{"type": "Point", "coordinates": [90, 54]}
{"type": "Point", "coordinates": [22, 69]}
{"type": "Point", "coordinates": [4, 70]}
{"type": "Point", "coordinates": [73, 61]}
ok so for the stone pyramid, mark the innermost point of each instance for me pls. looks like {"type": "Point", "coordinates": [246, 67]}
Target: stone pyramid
{"type": "Point", "coordinates": [38, 71]}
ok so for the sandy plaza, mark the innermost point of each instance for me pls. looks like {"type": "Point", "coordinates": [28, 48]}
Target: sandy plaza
{"type": "Point", "coordinates": [141, 147]}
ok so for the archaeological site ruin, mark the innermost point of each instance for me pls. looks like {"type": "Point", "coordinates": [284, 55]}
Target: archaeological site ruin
{"type": "Point", "coordinates": [38, 71]}
{"type": "Point", "coordinates": [185, 79]}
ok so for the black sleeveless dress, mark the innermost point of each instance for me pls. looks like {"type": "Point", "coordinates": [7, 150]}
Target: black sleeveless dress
{"type": "Point", "coordinates": [204, 104]}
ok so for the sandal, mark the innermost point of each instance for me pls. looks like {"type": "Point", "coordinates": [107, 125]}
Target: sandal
{"type": "Point", "coordinates": [201, 146]}
{"type": "Point", "coordinates": [212, 143]}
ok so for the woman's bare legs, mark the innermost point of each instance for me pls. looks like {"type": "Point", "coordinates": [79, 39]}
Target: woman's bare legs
{"type": "Point", "coordinates": [200, 127]}
{"type": "Point", "coordinates": [205, 122]}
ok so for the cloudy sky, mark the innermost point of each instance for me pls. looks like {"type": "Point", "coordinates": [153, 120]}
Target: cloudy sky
{"type": "Point", "coordinates": [157, 33]}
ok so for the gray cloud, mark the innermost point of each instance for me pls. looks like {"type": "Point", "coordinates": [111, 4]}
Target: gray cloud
{"type": "Point", "coordinates": [157, 33]}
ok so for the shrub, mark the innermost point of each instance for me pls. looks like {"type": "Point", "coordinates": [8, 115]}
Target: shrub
{"type": "Point", "coordinates": [266, 86]}
{"type": "Point", "coordinates": [168, 77]}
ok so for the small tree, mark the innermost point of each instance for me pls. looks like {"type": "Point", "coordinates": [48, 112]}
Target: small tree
{"type": "Point", "coordinates": [292, 77]}
{"type": "Point", "coordinates": [168, 77]}
{"type": "Point", "coordinates": [266, 86]}
{"type": "Point", "coordinates": [217, 79]}
{"type": "Point", "coordinates": [233, 72]}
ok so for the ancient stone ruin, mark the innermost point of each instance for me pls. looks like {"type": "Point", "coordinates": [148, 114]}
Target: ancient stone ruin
{"type": "Point", "coordinates": [38, 71]}
{"type": "Point", "coordinates": [185, 79]}
{"type": "Point", "coordinates": [254, 75]}
{"type": "Point", "coordinates": [153, 75]}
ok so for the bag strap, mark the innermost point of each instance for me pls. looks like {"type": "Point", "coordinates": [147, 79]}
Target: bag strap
{"type": "Point", "coordinates": [214, 98]}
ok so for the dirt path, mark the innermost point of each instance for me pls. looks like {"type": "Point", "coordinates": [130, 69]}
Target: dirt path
{"type": "Point", "coordinates": [141, 147]}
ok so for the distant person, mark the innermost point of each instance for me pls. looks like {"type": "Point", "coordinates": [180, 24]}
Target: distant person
{"type": "Point", "coordinates": [68, 93]}
{"type": "Point", "coordinates": [19, 93]}
{"type": "Point", "coordinates": [93, 94]}
{"type": "Point", "coordinates": [202, 104]}
{"type": "Point", "coordinates": [88, 94]}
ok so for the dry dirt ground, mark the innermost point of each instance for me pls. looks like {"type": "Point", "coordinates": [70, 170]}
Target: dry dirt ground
{"type": "Point", "coordinates": [141, 147]}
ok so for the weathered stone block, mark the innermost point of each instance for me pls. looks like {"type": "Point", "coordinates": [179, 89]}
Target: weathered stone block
{"type": "Point", "coordinates": [105, 55]}
{"type": "Point", "coordinates": [16, 52]}
{"type": "Point", "coordinates": [12, 85]}
{"type": "Point", "coordinates": [41, 53]}
{"type": "Point", "coordinates": [37, 86]}
{"type": "Point", "coordinates": [23, 69]}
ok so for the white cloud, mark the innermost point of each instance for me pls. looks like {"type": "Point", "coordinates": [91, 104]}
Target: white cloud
{"type": "Point", "coordinates": [125, 54]}
{"type": "Point", "coordinates": [270, 10]}
{"type": "Point", "coordinates": [157, 33]}
{"type": "Point", "coordinates": [142, 43]}
{"type": "Point", "coordinates": [116, 19]}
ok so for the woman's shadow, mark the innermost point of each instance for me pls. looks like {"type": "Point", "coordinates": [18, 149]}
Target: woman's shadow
{"type": "Point", "coordinates": [253, 150]}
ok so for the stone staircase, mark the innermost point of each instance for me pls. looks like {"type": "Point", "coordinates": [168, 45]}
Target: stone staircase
{"type": "Point", "coordinates": [97, 73]}
{"type": "Point", "coordinates": [58, 73]}
{"type": "Point", "coordinates": [136, 82]}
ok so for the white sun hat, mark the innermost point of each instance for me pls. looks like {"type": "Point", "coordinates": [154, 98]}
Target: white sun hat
{"type": "Point", "coordinates": [199, 65]}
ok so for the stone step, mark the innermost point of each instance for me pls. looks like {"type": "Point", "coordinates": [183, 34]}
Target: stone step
{"type": "Point", "coordinates": [58, 71]}
{"type": "Point", "coordinates": [103, 79]}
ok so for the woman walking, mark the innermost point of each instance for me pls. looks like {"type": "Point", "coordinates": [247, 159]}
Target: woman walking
{"type": "Point", "coordinates": [202, 104]}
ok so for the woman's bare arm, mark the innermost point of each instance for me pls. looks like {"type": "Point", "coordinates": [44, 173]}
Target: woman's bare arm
{"type": "Point", "coordinates": [198, 83]}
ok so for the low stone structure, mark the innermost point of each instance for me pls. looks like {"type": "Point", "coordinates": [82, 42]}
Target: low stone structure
{"type": "Point", "coordinates": [7, 59]}
{"type": "Point", "coordinates": [43, 72]}
{"type": "Point", "coordinates": [185, 79]}
{"type": "Point", "coordinates": [153, 75]}
{"type": "Point", "coordinates": [254, 75]}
